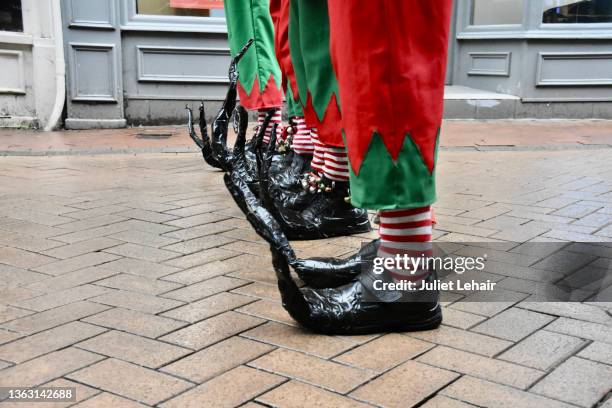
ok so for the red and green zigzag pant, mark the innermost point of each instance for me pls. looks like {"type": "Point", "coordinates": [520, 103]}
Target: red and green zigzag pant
{"type": "Point", "coordinates": [382, 63]}
{"type": "Point", "coordinates": [370, 75]}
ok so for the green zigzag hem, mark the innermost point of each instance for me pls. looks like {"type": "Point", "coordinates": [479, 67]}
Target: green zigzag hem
{"type": "Point", "coordinates": [294, 107]}
{"type": "Point", "coordinates": [383, 184]}
{"type": "Point", "coordinates": [250, 19]}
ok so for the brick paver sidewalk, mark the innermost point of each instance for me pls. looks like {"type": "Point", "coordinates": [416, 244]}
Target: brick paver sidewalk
{"type": "Point", "coordinates": [136, 280]}
{"type": "Point", "coordinates": [480, 135]}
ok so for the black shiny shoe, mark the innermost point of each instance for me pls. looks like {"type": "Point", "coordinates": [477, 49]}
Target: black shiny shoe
{"type": "Point", "coordinates": [352, 309]}
{"type": "Point", "coordinates": [334, 272]}
{"type": "Point", "coordinates": [327, 213]}
{"type": "Point", "coordinates": [287, 191]}
{"type": "Point", "coordinates": [292, 222]}
{"type": "Point", "coordinates": [332, 211]}
{"type": "Point", "coordinates": [291, 177]}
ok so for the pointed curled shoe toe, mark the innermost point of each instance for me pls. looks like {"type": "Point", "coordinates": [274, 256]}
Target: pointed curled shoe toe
{"type": "Point", "coordinates": [333, 272]}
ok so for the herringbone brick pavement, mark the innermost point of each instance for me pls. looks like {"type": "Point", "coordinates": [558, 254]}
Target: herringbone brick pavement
{"type": "Point", "coordinates": [136, 280]}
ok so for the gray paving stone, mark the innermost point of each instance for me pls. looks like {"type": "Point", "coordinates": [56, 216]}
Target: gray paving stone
{"type": "Point", "coordinates": [46, 368]}
{"type": "Point", "coordinates": [576, 210]}
{"type": "Point", "coordinates": [8, 313]}
{"type": "Point", "coordinates": [73, 264]}
{"type": "Point", "coordinates": [91, 223]}
{"type": "Point", "coordinates": [134, 283]}
{"type": "Point", "coordinates": [92, 233]}
{"type": "Point", "coordinates": [583, 330]}
{"type": "Point", "coordinates": [54, 317]}
{"type": "Point", "coordinates": [132, 321]}
{"type": "Point", "coordinates": [513, 324]}
{"type": "Point", "coordinates": [134, 349]}
{"type": "Point", "coordinates": [137, 383]}
{"type": "Point", "coordinates": [208, 307]}
{"type": "Point", "coordinates": [48, 341]}
{"type": "Point", "coordinates": [213, 330]}
{"type": "Point", "coordinates": [482, 367]}
{"type": "Point", "coordinates": [463, 340]}
{"type": "Point", "coordinates": [204, 289]}
{"type": "Point", "coordinates": [23, 259]}
{"type": "Point", "coordinates": [61, 298]}
{"type": "Point", "coordinates": [139, 267]}
{"type": "Point", "coordinates": [577, 381]}
{"type": "Point", "coordinates": [11, 275]}
{"type": "Point", "coordinates": [144, 238]}
{"type": "Point", "coordinates": [600, 352]}
{"type": "Point", "coordinates": [143, 253]}
{"type": "Point", "coordinates": [564, 262]}
{"type": "Point", "coordinates": [200, 273]}
{"type": "Point", "coordinates": [81, 248]}
{"type": "Point", "coordinates": [570, 309]}
{"type": "Point", "coordinates": [487, 394]}
{"type": "Point", "coordinates": [137, 301]}
{"type": "Point", "coordinates": [202, 257]}
{"type": "Point", "coordinates": [148, 216]}
{"type": "Point", "coordinates": [596, 220]}
{"type": "Point", "coordinates": [543, 350]}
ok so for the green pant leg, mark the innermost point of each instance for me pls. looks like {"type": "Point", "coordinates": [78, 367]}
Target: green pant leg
{"type": "Point", "coordinates": [310, 53]}
{"type": "Point", "coordinates": [259, 85]}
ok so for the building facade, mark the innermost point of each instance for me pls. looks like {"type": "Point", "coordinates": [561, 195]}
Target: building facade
{"type": "Point", "coordinates": [554, 56]}
{"type": "Point", "coordinates": [31, 64]}
{"type": "Point", "coordinates": [140, 61]}
{"type": "Point", "coordinates": [133, 62]}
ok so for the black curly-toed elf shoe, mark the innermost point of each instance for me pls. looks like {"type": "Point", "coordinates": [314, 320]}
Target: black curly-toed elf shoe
{"type": "Point", "coordinates": [312, 214]}
{"type": "Point", "coordinates": [355, 308]}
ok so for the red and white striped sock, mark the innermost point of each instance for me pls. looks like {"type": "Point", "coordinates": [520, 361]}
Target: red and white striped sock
{"type": "Point", "coordinates": [336, 164]}
{"type": "Point", "coordinates": [302, 144]}
{"type": "Point", "coordinates": [277, 118]}
{"type": "Point", "coordinates": [318, 157]}
{"type": "Point", "coordinates": [406, 232]}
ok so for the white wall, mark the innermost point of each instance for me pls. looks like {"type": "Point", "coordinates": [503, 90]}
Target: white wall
{"type": "Point", "coordinates": [32, 63]}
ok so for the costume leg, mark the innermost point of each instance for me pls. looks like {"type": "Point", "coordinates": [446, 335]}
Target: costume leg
{"type": "Point", "coordinates": [313, 207]}
{"type": "Point", "coordinates": [392, 118]}
{"type": "Point", "coordinates": [318, 159]}
{"type": "Point", "coordinates": [302, 143]}
{"type": "Point", "coordinates": [280, 12]}
{"type": "Point", "coordinates": [315, 78]}
{"type": "Point", "coordinates": [259, 85]}
{"type": "Point", "coordinates": [405, 232]}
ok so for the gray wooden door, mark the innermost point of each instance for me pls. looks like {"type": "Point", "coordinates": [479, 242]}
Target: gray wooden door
{"type": "Point", "coordinates": [140, 61]}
